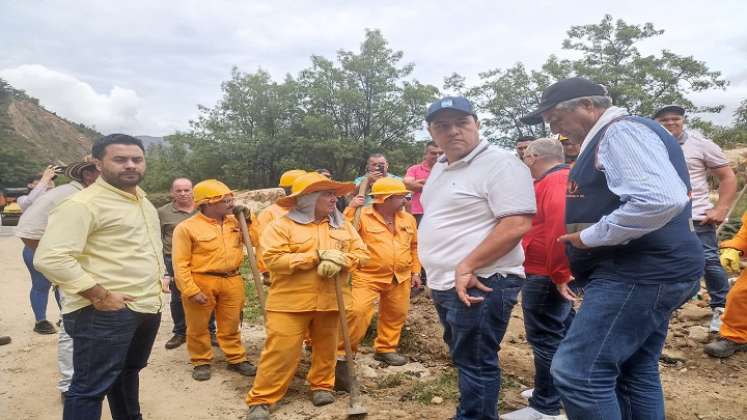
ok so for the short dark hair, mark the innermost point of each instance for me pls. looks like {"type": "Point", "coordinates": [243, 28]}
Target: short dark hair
{"type": "Point", "coordinates": [376, 155]}
{"type": "Point", "coordinates": [525, 138]}
{"type": "Point", "coordinates": [99, 146]}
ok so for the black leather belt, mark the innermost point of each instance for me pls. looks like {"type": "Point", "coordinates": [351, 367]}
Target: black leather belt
{"type": "Point", "coordinates": [212, 273]}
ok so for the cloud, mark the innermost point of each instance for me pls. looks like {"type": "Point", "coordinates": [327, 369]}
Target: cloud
{"type": "Point", "coordinates": [118, 110]}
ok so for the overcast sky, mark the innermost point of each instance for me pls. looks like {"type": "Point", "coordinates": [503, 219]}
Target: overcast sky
{"type": "Point", "coordinates": [142, 67]}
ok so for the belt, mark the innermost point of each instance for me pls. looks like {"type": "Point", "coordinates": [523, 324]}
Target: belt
{"type": "Point", "coordinates": [226, 275]}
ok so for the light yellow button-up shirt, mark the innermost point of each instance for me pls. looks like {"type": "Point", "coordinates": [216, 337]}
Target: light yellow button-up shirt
{"type": "Point", "coordinates": [103, 235]}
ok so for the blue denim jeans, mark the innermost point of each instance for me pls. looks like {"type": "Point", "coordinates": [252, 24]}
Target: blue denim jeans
{"type": "Point", "coordinates": [40, 286]}
{"type": "Point", "coordinates": [109, 350]}
{"type": "Point", "coordinates": [547, 316]}
{"type": "Point", "coordinates": [607, 367]}
{"type": "Point", "coordinates": [177, 310]}
{"type": "Point", "coordinates": [474, 335]}
{"type": "Point", "coordinates": [716, 280]}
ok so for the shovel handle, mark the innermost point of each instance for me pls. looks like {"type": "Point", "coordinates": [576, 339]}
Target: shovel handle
{"type": "Point", "coordinates": [256, 276]}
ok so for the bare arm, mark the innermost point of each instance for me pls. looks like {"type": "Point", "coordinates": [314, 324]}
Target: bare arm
{"type": "Point", "coordinates": [504, 237]}
{"type": "Point", "coordinates": [727, 193]}
{"type": "Point", "coordinates": [412, 184]}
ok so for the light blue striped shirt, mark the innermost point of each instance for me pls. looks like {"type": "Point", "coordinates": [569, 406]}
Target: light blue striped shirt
{"type": "Point", "coordinates": [637, 167]}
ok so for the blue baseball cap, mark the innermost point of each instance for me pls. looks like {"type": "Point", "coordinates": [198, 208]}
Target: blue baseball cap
{"type": "Point", "coordinates": [457, 103]}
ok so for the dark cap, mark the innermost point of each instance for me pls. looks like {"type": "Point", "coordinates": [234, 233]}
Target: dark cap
{"type": "Point", "coordinates": [575, 87]}
{"type": "Point", "coordinates": [526, 138]}
{"type": "Point", "coordinates": [457, 103]}
{"type": "Point", "coordinates": [674, 109]}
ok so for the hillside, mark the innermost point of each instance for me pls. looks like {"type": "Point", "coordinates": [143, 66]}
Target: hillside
{"type": "Point", "coordinates": [31, 137]}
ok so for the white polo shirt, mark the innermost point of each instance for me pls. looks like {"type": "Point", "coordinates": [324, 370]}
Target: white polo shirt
{"type": "Point", "coordinates": [462, 204]}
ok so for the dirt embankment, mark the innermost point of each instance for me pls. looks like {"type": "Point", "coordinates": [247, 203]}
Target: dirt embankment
{"type": "Point", "coordinates": [695, 386]}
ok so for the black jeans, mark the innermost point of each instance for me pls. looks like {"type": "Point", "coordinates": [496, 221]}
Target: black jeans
{"type": "Point", "coordinates": [547, 316]}
{"type": "Point", "coordinates": [110, 349]}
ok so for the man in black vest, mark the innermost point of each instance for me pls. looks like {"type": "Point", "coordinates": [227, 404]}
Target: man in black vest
{"type": "Point", "coordinates": [630, 244]}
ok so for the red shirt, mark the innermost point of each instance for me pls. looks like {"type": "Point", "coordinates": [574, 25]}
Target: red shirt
{"type": "Point", "coordinates": [544, 255]}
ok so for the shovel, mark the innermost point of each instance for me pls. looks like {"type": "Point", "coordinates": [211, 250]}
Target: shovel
{"type": "Point", "coordinates": [356, 406]}
{"type": "Point", "coordinates": [252, 261]}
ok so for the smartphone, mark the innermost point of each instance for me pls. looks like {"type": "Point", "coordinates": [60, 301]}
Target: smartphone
{"type": "Point", "coordinates": [380, 167]}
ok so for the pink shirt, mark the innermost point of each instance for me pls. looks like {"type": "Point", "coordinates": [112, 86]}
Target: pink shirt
{"type": "Point", "coordinates": [701, 155]}
{"type": "Point", "coordinates": [419, 172]}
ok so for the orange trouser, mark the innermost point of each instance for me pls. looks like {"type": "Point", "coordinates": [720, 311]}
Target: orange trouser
{"type": "Point", "coordinates": [734, 325]}
{"type": "Point", "coordinates": [394, 301]}
{"type": "Point", "coordinates": [282, 352]}
{"type": "Point", "coordinates": [226, 297]}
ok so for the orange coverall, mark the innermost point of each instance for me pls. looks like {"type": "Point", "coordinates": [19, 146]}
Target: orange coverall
{"type": "Point", "coordinates": [202, 249]}
{"type": "Point", "coordinates": [299, 300]}
{"type": "Point", "coordinates": [734, 320]}
{"type": "Point", "coordinates": [261, 222]}
{"type": "Point", "coordinates": [386, 276]}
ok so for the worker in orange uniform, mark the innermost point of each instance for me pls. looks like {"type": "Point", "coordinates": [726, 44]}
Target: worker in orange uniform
{"type": "Point", "coordinates": [306, 251]}
{"type": "Point", "coordinates": [207, 253]}
{"type": "Point", "coordinates": [266, 216]}
{"type": "Point", "coordinates": [390, 234]}
{"type": "Point", "coordinates": [733, 330]}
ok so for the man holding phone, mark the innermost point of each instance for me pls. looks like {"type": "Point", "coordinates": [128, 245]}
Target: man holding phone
{"type": "Point", "coordinates": [377, 167]}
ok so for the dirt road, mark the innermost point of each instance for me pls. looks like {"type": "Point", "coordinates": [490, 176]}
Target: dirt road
{"type": "Point", "coordinates": [696, 387]}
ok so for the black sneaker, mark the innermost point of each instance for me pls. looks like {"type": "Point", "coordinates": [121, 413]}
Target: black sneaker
{"type": "Point", "coordinates": [201, 373]}
{"type": "Point", "coordinates": [44, 327]}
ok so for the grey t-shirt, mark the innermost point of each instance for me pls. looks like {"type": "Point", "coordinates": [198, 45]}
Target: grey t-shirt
{"type": "Point", "coordinates": [701, 155]}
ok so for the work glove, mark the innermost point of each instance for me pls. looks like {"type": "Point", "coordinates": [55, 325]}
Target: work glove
{"type": "Point", "coordinates": [240, 210]}
{"type": "Point", "coordinates": [333, 255]}
{"type": "Point", "coordinates": [730, 259]}
{"type": "Point", "coordinates": [328, 269]}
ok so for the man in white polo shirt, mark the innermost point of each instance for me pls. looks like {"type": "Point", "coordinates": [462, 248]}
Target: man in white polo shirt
{"type": "Point", "coordinates": [478, 204]}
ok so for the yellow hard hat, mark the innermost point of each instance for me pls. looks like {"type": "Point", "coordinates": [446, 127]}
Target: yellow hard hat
{"type": "Point", "coordinates": [287, 178]}
{"type": "Point", "coordinates": [388, 186]}
{"type": "Point", "coordinates": [312, 182]}
{"type": "Point", "coordinates": [210, 190]}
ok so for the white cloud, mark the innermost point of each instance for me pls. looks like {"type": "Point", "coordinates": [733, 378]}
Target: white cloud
{"type": "Point", "coordinates": [118, 110]}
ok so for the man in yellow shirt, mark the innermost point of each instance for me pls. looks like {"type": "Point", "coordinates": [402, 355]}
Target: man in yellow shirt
{"type": "Point", "coordinates": [266, 216]}
{"type": "Point", "coordinates": [102, 247]}
{"type": "Point", "coordinates": [390, 234]}
{"type": "Point", "coordinates": [207, 253]}
{"type": "Point", "coordinates": [306, 251]}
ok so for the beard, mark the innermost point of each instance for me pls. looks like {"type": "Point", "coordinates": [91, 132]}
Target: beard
{"type": "Point", "coordinates": [122, 179]}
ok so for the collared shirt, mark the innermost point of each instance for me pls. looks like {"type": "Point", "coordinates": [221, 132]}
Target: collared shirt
{"type": "Point", "coordinates": [360, 179]}
{"type": "Point", "coordinates": [202, 245]}
{"type": "Point", "coordinates": [463, 202]}
{"type": "Point", "coordinates": [103, 235]}
{"type": "Point", "coordinates": [259, 224]}
{"type": "Point", "coordinates": [637, 168]}
{"type": "Point", "coordinates": [392, 254]}
{"type": "Point", "coordinates": [291, 253]}
{"type": "Point", "coordinates": [545, 256]}
{"type": "Point", "coordinates": [702, 155]}
{"type": "Point", "coordinates": [419, 172]}
{"type": "Point", "coordinates": [169, 216]}
{"type": "Point", "coordinates": [33, 221]}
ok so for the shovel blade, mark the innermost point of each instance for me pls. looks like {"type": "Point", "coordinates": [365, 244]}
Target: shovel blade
{"type": "Point", "coordinates": [357, 410]}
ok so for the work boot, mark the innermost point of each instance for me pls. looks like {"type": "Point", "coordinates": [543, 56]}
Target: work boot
{"type": "Point", "coordinates": [214, 340]}
{"type": "Point", "coordinates": [4, 339]}
{"type": "Point", "coordinates": [342, 378]}
{"type": "Point", "coordinates": [258, 412]}
{"type": "Point", "coordinates": [723, 348]}
{"type": "Point", "coordinates": [716, 320]}
{"type": "Point", "coordinates": [393, 358]}
{"type": "Point", "coordinates": [175, 341]}
{"type": "Point", "coordinates": [201, 373]}
{"type": "Point", "coordinates": [245, 368]}
{"type": "Point", "coordinates": [529, 413]}
{"type": "Point", "coordinates": [321, 397]}
{"type": "Point", "coordinates": [44, 327]}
